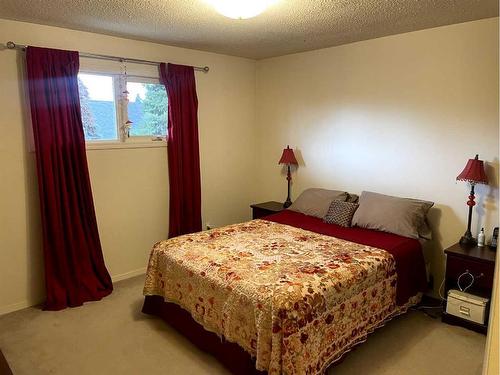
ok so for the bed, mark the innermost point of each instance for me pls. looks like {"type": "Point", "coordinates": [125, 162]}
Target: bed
{"type": "Point", "coordinates": [285, 294]}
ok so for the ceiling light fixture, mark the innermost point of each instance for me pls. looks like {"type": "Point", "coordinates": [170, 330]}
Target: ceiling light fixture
{"type": "Point", "coordinates": [240, 9]}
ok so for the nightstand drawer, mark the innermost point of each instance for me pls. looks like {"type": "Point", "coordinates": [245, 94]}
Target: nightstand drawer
{"type": "Point", "coordinates": [455, 266]}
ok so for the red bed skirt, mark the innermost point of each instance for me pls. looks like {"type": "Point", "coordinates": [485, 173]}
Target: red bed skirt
{"type": "Point", "coordinates": [231, 355]}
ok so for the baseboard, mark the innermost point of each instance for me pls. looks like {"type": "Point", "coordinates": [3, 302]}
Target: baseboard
{"type": "Point", "coordinates": [17, 306]}
{"type": "Point", "coordinates": [25, 304]}
{"type": "Point", "coordinates": [128, 275]}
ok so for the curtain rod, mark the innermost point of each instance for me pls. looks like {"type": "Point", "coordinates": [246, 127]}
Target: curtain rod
{"type": "Point", "coordinates": [22, 47]}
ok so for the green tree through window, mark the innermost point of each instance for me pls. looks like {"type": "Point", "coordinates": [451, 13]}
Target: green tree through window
{"type": "Point", "coordinates": [147, 109]}
{"type": "Point", "coordinates": [155, 109]}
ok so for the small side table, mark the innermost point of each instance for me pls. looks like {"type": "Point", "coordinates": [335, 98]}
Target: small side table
{"type": "Point", "coordinates": [480, 262]}
{"type": "Point", "coordinates": [266, 208]}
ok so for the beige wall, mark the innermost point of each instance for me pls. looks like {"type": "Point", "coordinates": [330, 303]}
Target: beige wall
{"type": "Point", "coordinates": [130, 186]}
{"type": "Point", "coordinates": [398, 115]}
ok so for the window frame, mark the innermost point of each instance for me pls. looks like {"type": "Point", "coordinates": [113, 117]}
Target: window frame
{"type": "Point", "coordinates": [123, 141]}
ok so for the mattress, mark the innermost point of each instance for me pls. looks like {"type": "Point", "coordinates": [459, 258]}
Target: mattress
{"type": "Point", "coordinates": [288, 290]}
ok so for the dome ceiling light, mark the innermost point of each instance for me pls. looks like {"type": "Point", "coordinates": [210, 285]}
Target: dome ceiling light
{"type": "Point", "coordinates": [240, 9]}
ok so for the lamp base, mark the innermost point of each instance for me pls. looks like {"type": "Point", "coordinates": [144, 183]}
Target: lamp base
{"type": "Point", "coordinates": [468, 240]}
{"type": "Point", "coordinates": [287, 203]}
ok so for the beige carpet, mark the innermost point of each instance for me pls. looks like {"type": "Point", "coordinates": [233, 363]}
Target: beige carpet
{"type": "Point", "coordinates": [112, 336]}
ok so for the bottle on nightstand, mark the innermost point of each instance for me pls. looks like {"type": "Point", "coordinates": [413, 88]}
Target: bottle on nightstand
{"type": "Point", "coordinates": [480, 238]}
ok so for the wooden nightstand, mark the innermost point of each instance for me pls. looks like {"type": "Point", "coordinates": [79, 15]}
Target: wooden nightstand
{"type": "Point", "coordinates": [267, 208]}
{"type": "Point", "coordinates": [480, 261]}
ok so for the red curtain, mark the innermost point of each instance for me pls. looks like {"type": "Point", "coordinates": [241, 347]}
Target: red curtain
{"type": "Point", "coordinates": [183, 149]}
{"type": "Point", "coordinates": [74, 264]}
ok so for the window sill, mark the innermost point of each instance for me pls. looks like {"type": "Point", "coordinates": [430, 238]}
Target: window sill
{"type": "Point", "coordinates": [123, 145]}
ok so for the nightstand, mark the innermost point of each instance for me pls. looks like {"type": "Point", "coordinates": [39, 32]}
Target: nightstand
{"type": "Point", "coordinates": [480, 262]}
{"type": "Point", "coordinates": [267, 208]}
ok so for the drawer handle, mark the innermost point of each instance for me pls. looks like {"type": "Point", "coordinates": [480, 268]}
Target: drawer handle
{"type": "Point", "coordinates": [464, 310]}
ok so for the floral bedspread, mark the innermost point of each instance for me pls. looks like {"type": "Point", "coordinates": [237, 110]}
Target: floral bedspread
{"type": "Point", "coordinates": [294, 299]}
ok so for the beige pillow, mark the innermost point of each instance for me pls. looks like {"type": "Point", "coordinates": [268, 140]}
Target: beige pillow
{"type": "Point", "coordinates": [315, 202]}
{"type": "Point", "coordinates": [403, 216]}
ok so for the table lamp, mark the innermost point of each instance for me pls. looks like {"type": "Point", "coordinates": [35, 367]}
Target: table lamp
{"type": "Point", "coordinates": [288, 158]}
{"type": "Point", "coordinates": [474, 174]}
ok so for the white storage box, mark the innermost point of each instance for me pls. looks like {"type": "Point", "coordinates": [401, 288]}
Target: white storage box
{"type": "Point", "coordinates": [467, 306]}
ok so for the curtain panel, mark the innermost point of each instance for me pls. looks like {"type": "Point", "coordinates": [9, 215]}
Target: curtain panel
{"type": "Point", "coordinates": [74, 265]}
{"type": "Point", "coordinates": [183, 149]}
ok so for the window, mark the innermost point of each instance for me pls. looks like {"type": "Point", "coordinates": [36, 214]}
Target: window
{"type": "Point", "coordinates": [147, 108]}
{"type": "Point", "coordinates": [117, 108]}
{"type": "Point", "coordinates": [98, 106]}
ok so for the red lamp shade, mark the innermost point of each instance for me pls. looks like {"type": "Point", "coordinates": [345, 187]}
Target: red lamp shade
{"type": "Point", "coordinates": [474, 172]}
{"type": "Point", "coordinates": [288, 157]}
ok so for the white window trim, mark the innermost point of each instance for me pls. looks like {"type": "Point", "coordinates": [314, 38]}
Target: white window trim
{"type": "Point", "coordinates": [103, 145]}
{"type": "Point", "coordinates": [123, 141]}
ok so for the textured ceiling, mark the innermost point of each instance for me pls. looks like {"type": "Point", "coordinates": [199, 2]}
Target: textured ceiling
{"type": "Point", "coordinates": [286, 27]}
